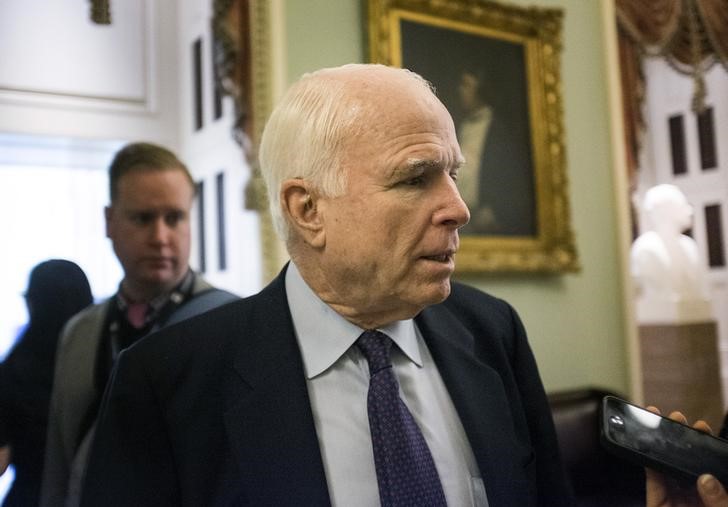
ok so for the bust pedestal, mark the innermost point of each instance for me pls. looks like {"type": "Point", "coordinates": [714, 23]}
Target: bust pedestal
{"type": "Point", "coordinates": [664, 310]}
{"type": "Point", "coordinates": [678, 334]}
{"type": "Point", "coordinates": [680, 361]}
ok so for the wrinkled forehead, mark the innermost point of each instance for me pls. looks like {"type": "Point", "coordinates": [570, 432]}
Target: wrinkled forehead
{"type": "Point", "coordinates": [382, 86]}
{"type": "Point", "coordinates": [387, 97]}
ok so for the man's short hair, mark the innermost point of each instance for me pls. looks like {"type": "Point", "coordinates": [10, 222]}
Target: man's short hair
{"type": "Point", "coordinates": [306, 133]}
{"type": "Point", "coordinates": [142, 157]}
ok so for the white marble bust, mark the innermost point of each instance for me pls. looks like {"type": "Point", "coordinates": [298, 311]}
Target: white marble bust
{"type": "Point", "coordinates": [666, 264]}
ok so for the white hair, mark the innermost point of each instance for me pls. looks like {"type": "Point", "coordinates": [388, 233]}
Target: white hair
{"type": "Point", "coordinates": [304, 135]}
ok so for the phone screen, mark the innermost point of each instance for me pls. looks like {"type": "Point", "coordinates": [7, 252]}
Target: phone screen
{"type": "Point", "coordinates": [661, 443]}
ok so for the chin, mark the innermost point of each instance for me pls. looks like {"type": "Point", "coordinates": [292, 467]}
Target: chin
{"type": "Point", "coordinates": [435, 293]}
{"type": "Point", "coordinates": [163, 281]}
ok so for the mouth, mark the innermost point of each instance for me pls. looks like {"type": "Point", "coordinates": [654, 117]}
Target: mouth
{"type": "Point", "coordinates": [445, 257]}
{"type": "Point", "coordinates": [159, 261]}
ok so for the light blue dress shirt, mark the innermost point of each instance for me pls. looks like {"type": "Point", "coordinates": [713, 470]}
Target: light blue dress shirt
{"type": "Point", "coordinates": [337, 378]}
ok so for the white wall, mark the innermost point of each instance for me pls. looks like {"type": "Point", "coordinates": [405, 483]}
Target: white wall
{"type": "Point", "coordinates": [62, 75]}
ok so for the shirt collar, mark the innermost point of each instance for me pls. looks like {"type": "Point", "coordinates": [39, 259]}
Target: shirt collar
{"type": "Point", "coordinates": [177, 294]}
{"type": "Point", "coordinates": [480, 114]}
{"type": "Point", "coordinates": [324, 336]}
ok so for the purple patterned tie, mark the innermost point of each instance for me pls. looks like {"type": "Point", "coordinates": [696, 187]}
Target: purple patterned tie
{"type": "Point", "coordinates": [406, 473]}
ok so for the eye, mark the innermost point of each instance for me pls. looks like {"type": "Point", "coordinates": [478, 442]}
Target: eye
{"type": "Point", "coordinates": [141, 218]}
{"type": "Point", "coordinates": [414, 181]}
{"type": "Point", "coordinates": [174, 218]}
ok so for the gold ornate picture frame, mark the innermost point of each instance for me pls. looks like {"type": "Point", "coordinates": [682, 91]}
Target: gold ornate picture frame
{"type": "Point", "coordinates": [496, 68]}
{"type": "Point", "coordinates": [243, 70]}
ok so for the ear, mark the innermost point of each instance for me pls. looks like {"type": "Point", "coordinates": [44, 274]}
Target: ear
{"type": "Point", "coordinates": [300, 205]}
{"type": "Point", "coordinates": [108, 212]}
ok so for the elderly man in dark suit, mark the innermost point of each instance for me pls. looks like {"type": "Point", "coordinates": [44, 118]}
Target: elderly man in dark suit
{"type": "Point", "coordinates": [361, 375]}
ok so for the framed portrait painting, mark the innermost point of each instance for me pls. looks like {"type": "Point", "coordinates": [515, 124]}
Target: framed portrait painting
{"type": "Point", "coordinates": [496, 69]}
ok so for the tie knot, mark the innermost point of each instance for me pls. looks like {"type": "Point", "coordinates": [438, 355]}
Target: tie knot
{"type": "Point", "coordinates": [375, 346]}
{"type": "Point", "coordinates": [136, 314]}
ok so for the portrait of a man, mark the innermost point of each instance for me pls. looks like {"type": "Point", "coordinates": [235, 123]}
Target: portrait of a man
{"type": "Point", "coordinates": [484, 87]}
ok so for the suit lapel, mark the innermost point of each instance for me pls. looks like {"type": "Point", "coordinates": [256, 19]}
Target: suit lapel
{"type": "Point", "coordinates": [478, 393]}
{"type": "Point", "coordinates": [269, 420]}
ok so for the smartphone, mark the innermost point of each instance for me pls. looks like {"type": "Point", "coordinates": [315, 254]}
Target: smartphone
{"type": "Point", "coordinates": [662, 444]}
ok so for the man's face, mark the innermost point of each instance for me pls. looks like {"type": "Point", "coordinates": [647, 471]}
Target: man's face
{"type": "Point", "coordinates": [149, 227]}
{"type": "Point", "coordinates": [468, 91]}
{"type": "Point", "coordinates": [391, 238]}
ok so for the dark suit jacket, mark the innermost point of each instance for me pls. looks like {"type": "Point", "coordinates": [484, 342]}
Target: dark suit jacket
{"type": "Point", "coordinates": [215, 411]}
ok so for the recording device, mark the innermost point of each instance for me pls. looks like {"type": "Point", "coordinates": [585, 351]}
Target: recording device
{"type": "Point", "coordinates": [662, 444]}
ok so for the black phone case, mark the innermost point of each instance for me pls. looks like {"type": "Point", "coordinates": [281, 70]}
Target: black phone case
{"type": "Point", "coordinates": [682, 460]}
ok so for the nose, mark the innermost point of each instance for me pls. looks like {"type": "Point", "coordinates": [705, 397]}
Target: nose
{"type": "Point", "coordinates": [452, 210]}
{"type": "Point", "coordinates": [159, 231]}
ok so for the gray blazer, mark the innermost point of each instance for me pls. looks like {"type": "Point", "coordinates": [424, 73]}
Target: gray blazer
{"type": "Point", "coordinates": [73, 392]}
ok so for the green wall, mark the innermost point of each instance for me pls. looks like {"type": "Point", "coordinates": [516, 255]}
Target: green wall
{"type": "Point", "coordinates": [574, 320]}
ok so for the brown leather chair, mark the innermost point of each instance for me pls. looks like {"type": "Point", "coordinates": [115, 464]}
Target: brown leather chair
{"type": "Point", "coordinates": [598, 478]}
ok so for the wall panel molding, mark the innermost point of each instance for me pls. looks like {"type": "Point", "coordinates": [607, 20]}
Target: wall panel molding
{"type": "Point", "coordinates": [54, 56]}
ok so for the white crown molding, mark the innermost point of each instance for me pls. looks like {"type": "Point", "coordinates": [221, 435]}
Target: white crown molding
{"type": "Point", "coordinates": [147, 103]}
